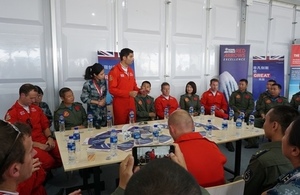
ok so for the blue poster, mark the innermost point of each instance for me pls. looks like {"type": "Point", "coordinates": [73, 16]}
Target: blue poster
{"type": "Point", "coordinates": [234, 63]}
{"type": "Point", "coordinates": [264, 69]}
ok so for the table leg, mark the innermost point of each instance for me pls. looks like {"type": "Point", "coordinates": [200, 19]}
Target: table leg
{"type": "Point", "coordinates": [238, 153]}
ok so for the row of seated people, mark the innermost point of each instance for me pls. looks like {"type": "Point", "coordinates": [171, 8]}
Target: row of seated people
{"type": "Point", "coordinates": [181, 128]}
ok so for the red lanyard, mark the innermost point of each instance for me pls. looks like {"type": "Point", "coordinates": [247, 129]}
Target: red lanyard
{"type": "Point", "coordinates": [98, 89]}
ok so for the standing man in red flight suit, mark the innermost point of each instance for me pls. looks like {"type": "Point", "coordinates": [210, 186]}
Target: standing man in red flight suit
{"type": "Point", "coordinates": [25, 111]}
{"type": "Point", "coordinates": [213, 97]}
{"type": "Point", "coordinates": [122, 85]}
{"type": "Point", "coordinates": [165, 101]}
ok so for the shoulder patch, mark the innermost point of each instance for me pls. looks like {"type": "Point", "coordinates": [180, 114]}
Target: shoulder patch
{"type": "Point", "coordinates": [248, 174]}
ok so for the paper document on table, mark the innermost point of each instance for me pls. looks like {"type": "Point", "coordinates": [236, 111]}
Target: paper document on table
{"type": "Point", "coordinates": [126, 146]}
{"type": "Point", "coordinates": [101, 146]}
{"type": "Point", "coordinates": [164, 139]}
{"type": "Point", "coordinates": [98, 138]}
{"type": "Point", "coordinates": [204, 126]}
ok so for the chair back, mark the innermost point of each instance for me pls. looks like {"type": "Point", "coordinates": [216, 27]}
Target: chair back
{"type": "Point", "coordinates": [232, 188]}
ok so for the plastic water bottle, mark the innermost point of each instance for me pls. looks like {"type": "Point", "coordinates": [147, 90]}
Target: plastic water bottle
{"type": "Point", "coordinates": [113, 142]}
{"type": "Point", "coordinates": [76, 137]}
{"type": "Point", "coordinates": [191, 111]}
{"type": "Point", "coordinates": [242, 116]}
{"type": "Point", "coordinates": [71, 150]}
{"type": "Point", "coordinates": [131, 117]}
{"type": "Point", "coordinates": [224, 129]}
{"type": "Point", "coordinates": [209, 128]}
{"type": "Point", "coordinates": [212, 111]}
{"type": "Point", "coordinates": [202, 113]}
{"type": "Point", "coordinates": [155, 134]}
{"type": "Point", "coordinates": [251, 122]}
{"type": "Point", "coordinates": [166, 113]}
{"type": "Point", "coordinates": [109, 121]}
{"type": "Point", "coordinates": [238, 126]}
{"type": "Point", "coordinates": [137, 135]}
{"type": "Point", "coordinates": [231, 115]}
{"type": "Point", "coordinates": [90, 122]}
{"type": "Point", "coordinates": [61, 121]}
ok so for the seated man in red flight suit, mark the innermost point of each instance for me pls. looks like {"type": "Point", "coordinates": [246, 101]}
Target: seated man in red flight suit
{"type": "Point", "coordinates": [203, 158]}
{"type": "Point", "coordinates": [213, 97]}
{"type": "Point", "coordinates": [165, 101]}
{"type": "Point", "coordinates": [26, 112]}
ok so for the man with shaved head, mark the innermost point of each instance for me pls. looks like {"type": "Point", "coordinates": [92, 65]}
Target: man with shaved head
{"type": "Point", "coordinates": [203, 158]}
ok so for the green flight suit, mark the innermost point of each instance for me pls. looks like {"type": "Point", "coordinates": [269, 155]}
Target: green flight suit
{"type": "Point", "coordinates": [260, 101]}
{"type": "Point", "coordinates": [187, 101]}
{"type": "Point", "coordinates": [267, 104]}
{"type": "Point", "coordinates": [295, 101]}
{"type": "Point", "coordinates": [264, 168]}
{"type": "Point", "coordinates": [144, 105]}
{"type": "Point", "coordinates": [241, 102]}
{"type": "Point", "coordinates": [74, 115]}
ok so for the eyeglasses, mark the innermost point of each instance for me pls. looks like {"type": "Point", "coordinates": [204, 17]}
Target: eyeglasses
{"type": "Point", "coordinates": [12, 146]}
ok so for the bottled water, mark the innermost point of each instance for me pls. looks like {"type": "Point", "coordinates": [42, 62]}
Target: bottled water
{"type": "Point", "coordinates": [202, 112]}
{"type": "Point", "coordinates": [155, 134]}
{"type": "Point", "coordinates": [76, 137]}
{"type": "Point", "coordinates": [131, 117]}
{"type": "Point", "coordinates": [238, 126]}
{"type": "Point", "coordinates": [71, 150]}
{"type": "Point", "coordinates": [113, 142]}
{"type": "Point", "coordinates": [251, 122]}
{"type": "Point", "coordinates": [242, 116]}
{"type": "Point", "coordinates": [209, 128]}
{"type": "Point", "coordinates": [136, 136]}
{"type": "Point", "coordinates": [224, 129]}
{"type": "Point", "coordinates": [90, 122]}
{"type": "Point", "coordinates": [191, 111]}
{"type": "Point", "coordinates": [61, 121]}
{"type": "Point", "coordinates": [109, 121]}
{"type": "Point", "coordinates": [166, 113]}
{"type": "Point", "coordinates": [212, 111]}
{"type": "Point", "coordinates": [231, 115]}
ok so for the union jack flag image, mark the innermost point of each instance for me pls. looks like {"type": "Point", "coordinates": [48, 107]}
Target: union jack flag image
{"type": "Point", "coordinates": [269, 58]}
{"type": "Point", "coordinates": [107, 54]}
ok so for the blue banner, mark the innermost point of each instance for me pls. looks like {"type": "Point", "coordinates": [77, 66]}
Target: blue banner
{"type": "Point", "coordinates": [264, 69]}
{"type": "Point", "coordinates": [294, 85]}
{"type": "Point", "coordinates": [234, 63]}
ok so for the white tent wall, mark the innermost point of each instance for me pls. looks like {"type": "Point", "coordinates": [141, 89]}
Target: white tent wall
{"type": "Point", "coordinates": [51, 42]}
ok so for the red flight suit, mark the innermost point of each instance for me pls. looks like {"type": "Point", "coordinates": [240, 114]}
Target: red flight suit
{"type": "Point", "coordinates": [161, 103]}
{"type": "Point", "coordinates": [203, 159]}
{"type": "Point", "coordinates": [120, 84]}
{"type": "Point", "coordinates": [38, 122]}
{"type": "Point", "coordinates": [208, 99]}
{"type": "Point", "coordinates": [34, 184]}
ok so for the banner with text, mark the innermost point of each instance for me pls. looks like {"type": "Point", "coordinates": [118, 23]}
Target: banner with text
{"type": "Point", "coordinates": [264, 69]}
{"type": "Point", "coordinates": [234, 63]}
{"type": "Point", "coordinates": [294, 85]}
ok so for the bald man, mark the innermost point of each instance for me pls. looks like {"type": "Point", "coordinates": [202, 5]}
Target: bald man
{"type": "Point", "coordinates": [203, 158]}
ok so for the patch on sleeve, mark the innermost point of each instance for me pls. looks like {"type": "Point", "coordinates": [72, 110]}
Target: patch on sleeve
{"type": "Point", "coordinates": [7, 117]}
{"type": "Point", "coordinates": [247, 175]}
{"type": "Point", "coordinates": [111, 77]}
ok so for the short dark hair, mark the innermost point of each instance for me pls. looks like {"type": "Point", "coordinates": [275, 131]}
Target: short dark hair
{"type": "Point", "coordinates": [193, 85]}
{"type": "Point", "coordinates": [244, 80]}
{"type": "Point", "coordinates": [164, 84]}
{"type": "Point", "coordinates": [277, 84]}
{"type": "Point", "coordinates": [294, 135]}
{"type": "Point", "coordinates": [213, 80]}
{"type": "Point", "coordinates": [284, 115]}
{"type": "Point", "coordinates": [12, 151]}
{"type": "Point", "coordinates": [26, 88]}
{"type": "Point", "coordinates": [63, 90]}
{"type": "Point", "coordinates": [148, 82]}
{"type": "Point", "coordinates": [125, 52]}
{"type": "Point", "coordinates": [91, 70]}
{"type": "Point", "coordinates": [271, 81]}
{"type": "Point", "coordinates": [162, 176]}
{"type": "Point", "coordinates": [39, 90]}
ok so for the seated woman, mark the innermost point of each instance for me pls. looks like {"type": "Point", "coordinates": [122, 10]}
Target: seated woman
{"type": "Point", "coordinates": [290, 183]}
{"type": "Point", "coordinates": [190, 99]}
{"type": "Point", "coordinates": [73, 112]}
{"type": "Point", "coordinates": [43, 105]}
